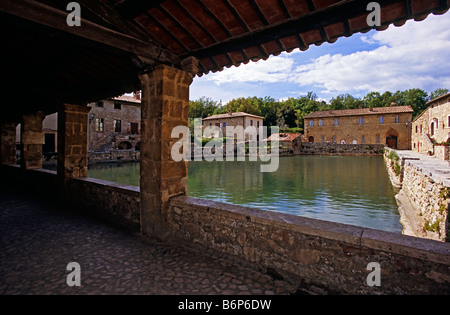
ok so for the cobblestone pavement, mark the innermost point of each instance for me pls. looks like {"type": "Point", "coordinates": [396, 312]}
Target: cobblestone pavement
{"type": "Point", "coordinates": [38, 239]}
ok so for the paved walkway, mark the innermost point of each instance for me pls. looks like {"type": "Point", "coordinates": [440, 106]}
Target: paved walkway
{"type": "Point", "coordinates": [38, 239]}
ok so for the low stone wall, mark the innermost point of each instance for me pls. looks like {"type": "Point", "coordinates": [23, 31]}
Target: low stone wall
{"type": "Point", "coordinates": [424, 197]}
{"type": "Point", "coordinates": [442, 152]}
{"type": "Point", "coordinates": [340, 149]}
{"type": "Point", "coordinates": [120, 203]}
{"type": "Point", "coordinates": [319, 256]}
{"type": "Point", "coordinates": [430, 203]}
{"type": "Point", "coordinates": [114, 155]}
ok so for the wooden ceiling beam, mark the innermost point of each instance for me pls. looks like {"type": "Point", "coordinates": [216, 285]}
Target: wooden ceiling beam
{"type": "Point", "coordinates": [113, 18]}
{"type": "Point", "coordinates": [317, 19]}
{"type": "Point", "coordinates": [56, 19]}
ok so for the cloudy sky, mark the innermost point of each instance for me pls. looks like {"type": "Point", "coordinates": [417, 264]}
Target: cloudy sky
{"type": "Point", "coordinates": [416, 55]}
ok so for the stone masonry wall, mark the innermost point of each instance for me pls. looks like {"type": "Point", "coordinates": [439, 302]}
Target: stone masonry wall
{"type": "Point", "coordinates": [334, 148]}
{"type": "Point", "coordinates": [431, 207]}
{"type": "Point", "coordinates": [319, 256]}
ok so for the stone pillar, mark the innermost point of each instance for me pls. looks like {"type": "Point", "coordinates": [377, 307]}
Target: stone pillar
{"type": "Point", "coordinates": [72, 141]}
{"type": "Point", "coordinates": [7, 144]}
{"type": "Point", "coordinates": [165, 105]}
{"type": "Point", "coordinates": [32, 139]}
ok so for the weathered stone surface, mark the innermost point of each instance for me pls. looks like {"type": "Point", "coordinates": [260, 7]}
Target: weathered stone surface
{"type": "Point", "coordinates": [165, 99]}
{"type": "Point", "coordinates": [32, 139]}
{"type": "Point", "coordinates": [8, 144]}
{"type": "Point", "coordinates": [72, 141]}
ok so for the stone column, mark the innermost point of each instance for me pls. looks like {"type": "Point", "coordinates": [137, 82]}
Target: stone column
{"type": "Point", "coordinates": [72, 141]}
{"type": "Point", "coordinates": [7, 143]}
{"type": "Point", "coordinates": [32, 139]}
{"type": "Point", "coordinates": [165, 105]}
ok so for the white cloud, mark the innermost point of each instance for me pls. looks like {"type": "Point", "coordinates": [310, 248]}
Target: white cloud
{"type": "Point", "coordinates": [274, 69]}
{"type": "Point", "coordinates": [414, 55]}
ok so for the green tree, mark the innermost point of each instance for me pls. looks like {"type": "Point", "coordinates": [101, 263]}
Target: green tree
{"type": "Point", "coordinates": [438, 92]}
{"type": "Point", "coordinates": [203, 107]}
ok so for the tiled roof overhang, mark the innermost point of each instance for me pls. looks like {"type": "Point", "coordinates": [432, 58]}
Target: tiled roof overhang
{"type": "Point", "coordinates": [223, 33]}
{"type": "Point", "coordinates": [119, 39]}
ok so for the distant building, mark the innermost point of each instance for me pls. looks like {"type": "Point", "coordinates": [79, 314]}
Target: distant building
{"type": "Point", "coordinates": [233, 119]}
{"type": "Point", "coordinates": [383, 125]}
{"type": "Point", "coordinates": [287, 141]}
{"type": "Point", "coordinates": [115, 124]}
{"type": "Point", "coordinates": [432, 126]}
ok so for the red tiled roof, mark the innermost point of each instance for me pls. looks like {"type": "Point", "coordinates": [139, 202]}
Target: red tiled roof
{"type": "Point", "coordinates": [232, 115]}
{"type": "Point", "coordinates": [361, 111]}
{"type": "Point", "coordinates": [284, 136]}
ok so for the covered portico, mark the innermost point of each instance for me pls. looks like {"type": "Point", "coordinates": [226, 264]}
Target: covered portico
{"type": "Point", "coordinates": [158, 47]}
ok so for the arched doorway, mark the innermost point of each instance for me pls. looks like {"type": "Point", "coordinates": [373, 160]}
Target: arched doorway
{"type": "Point", "coordinates": [392, 142]}
{"type": "Point", "coordinates": [125, 145]}
{"type": "Point", "coordinates": [311, 139]}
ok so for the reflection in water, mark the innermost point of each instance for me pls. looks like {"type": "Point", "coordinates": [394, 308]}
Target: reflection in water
{"type": "Point", "coordinates": [347, 189]}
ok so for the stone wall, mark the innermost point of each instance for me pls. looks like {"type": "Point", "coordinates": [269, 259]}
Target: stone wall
{"type": "Point", "coordinates": [340, 149]}
{"type": "Point", "coordinates": [119, 203]}
{"type": "Point", "coordinates": [318, 256]}
{"type": "Point", "coordinates": [114, 155]}
{"type": "Point", "coordinates": [430, 207]}
{"type": "Point", "coordinates": [442, 152]}
{"type": "Point", "coordinates": [424, 196]}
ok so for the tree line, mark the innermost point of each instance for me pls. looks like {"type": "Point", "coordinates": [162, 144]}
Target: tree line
{"type": "Point", "coordinates": [289, 114]}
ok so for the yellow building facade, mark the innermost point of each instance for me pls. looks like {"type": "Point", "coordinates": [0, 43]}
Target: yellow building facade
{"type": "Point", "coordinates": [381, 125]}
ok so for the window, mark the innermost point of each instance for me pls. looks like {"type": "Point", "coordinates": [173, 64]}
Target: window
{"type": "Point", "coordinates": [134, 128]}
{"type": "Point", "coordinates": [417, 129]}
{"type": "Point", "coordinates": [334, 139]}
{"type": "Point", "coordinates": [311, 123]}
{"type": "Point", "coordinates": [117, 125]}
{"type": "Point", "coordinates": [336, 122]}
{"type": "Point", "coordinates": [363, 139]}
{"type": "Point", "coordinates": [381, 120]}
{"type": "Point", "coordinates": [323, 139]}
{"type": "Point", "coordinates": [378, 138]}
{"type": "Point", "coordinates": [224, 124]}
{"type": "Point", "coordinates": [397, 119]}
{"type": "Point", "coordinates": [257, 124]}
{"type": "Point", "coordinates": [421, 128]}
{"type": "Point", "coordinates": [99, 124]}
{"type": "Point", "coordinates": [99, 104]}
{"type": "Point", "coordinates": [117, 105]}
{"type": "Point", "coordinates": [251, 122]}
{"type": "Point", "coordinates": [320, 122]}
{"type": "Point", "coordinates": [448, 121]}
{"type": "Point", "coordinates": [360, 121]}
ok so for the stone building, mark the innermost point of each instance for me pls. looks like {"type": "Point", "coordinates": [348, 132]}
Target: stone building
{"type": "Point", "coordinates": [233, 119]}
{"type": "Point", "coordinates": [381, 125]}
{"type": "Point", "coordinates": [431, 129]}
{"type": "Point", "coordinates": [115, 124]}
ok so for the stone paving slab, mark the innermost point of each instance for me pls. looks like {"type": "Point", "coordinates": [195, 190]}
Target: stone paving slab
{"type": "Point", "coordinates": [38, 239]}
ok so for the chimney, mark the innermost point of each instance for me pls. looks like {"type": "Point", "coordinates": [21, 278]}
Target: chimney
{"type": "Point", "coordinates": [392, 104]}
{"type": "Point", "coordinates": [137, 95]}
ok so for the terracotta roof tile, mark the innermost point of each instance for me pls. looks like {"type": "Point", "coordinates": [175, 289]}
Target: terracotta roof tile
{"type": "Point", "coordinates": [232, 115]}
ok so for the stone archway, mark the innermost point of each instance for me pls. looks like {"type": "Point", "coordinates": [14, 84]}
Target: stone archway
{"type": "Point", "coordinates": [392, 136]}
{"type": "Point", "coordinates": [124, 145]}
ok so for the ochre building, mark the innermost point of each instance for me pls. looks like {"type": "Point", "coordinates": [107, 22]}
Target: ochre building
{"type": "Point", "coordinates": [431, 129]}
{"type": "Point", "coordinates": [233, 120]}
{"type": "Point", "coordinates": [383, 125]}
